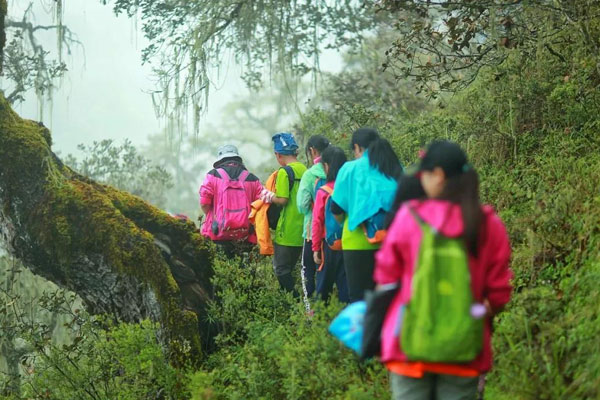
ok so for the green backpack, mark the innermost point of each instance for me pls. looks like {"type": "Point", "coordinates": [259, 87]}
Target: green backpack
{"type": "Point", "coordinates": [437, 325]}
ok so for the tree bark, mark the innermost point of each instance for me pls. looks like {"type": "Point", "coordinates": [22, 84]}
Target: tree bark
{"type": "Point", "coordinates": [3, 11]}
{"type": "Point", "coordinates": [121, 255]}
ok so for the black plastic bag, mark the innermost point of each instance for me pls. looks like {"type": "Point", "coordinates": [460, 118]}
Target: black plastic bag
{"type": "Point", "coordinates": [378, 302]}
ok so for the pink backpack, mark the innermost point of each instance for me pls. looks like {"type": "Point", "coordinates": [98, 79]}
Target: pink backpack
{"type": "Point", "coordinates": [232, 208]}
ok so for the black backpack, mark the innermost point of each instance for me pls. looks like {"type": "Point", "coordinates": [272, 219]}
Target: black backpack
{"type": "Point", "coordinates": [274, 210]}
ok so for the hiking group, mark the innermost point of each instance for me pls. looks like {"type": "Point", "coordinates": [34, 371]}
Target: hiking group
{"type": "Point", "coordinates": [366, 225]}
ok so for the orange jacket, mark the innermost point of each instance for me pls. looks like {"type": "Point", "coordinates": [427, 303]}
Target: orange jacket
{"type": "Point", "coordinates": [258, 217]}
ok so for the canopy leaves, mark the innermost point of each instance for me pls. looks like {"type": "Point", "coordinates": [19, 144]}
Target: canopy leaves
{"type": "Point", "coordinates": [189, 39]}
{"type": "Point", "coordinates": [444, 44]}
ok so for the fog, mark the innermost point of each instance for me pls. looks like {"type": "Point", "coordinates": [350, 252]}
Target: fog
{"type": "Point", "coordinates": [105, 93]}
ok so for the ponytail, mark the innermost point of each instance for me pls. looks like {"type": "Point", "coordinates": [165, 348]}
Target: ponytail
{"type": "Point", "coordinates": [335, 158]}
{"type": "Point", "coordinates": [381, 153]}
{"type": "Point", "coordinates": [383, 157]}
{"type": "Point", "coordinates": [463, 189]}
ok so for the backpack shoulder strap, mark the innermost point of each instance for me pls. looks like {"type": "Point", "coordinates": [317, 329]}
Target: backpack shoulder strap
{"type": "Point", "coordinates": [224, 174]}
{"type": "Point", "coordinates": [291, 176]}
{"type": "Point", "coordinates": [243, 176]}
{"type": "Point", "coordinates": [326, 189]}
{"type": "Point", "coordinates": [417, 217]}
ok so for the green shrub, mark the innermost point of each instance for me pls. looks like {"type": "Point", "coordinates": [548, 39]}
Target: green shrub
{"type": "Point", "coordinates": [270, 348]}
{"type": "Point", "coordinates": [123, 362]}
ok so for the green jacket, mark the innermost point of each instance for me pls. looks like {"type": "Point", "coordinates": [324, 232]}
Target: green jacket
{"type": "Point", "coordinates": [306, 196]}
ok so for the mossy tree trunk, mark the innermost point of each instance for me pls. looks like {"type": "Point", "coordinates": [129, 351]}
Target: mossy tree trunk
{"type": "Point", "coordinates": [118, 253]}
{"type": "Point", "coordinates": [3, 10]}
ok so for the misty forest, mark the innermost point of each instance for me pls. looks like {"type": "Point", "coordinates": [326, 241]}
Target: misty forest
{"type": "Point", "coordinates": [108, 290]}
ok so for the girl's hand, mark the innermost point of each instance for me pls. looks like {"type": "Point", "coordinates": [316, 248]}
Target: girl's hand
{"type": "Point", "coordinates": [317, 257]}
{"type": "Point", "coordinates": [266, 196]}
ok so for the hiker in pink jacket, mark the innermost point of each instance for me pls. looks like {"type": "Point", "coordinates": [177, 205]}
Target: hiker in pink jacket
{"type": "Point", "coordinates": [452, 209]}
{"type": "Point", "coordinates": [225, 198]}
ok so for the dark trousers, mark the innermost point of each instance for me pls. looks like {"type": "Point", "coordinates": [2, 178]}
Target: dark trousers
{"type": "Point", "coordinates": [284, 262]}
{"type": "Point", "coordinates": [333, 272]}
{"type": "Point", "coordinates": [309, 269]}
{"type": "Point", "coordinates": [359, 266]}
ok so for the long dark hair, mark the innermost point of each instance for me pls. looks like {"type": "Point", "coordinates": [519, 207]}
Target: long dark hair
{"type": "Point", "coordinates": [381, 154]}
{"type": "Point", "coordinates": [318, 142]}
{"type": "Point", "coordinates": [463, 189]}
{"type": "Point", "coordinates": [462, 186]}
{"type": "Point", "coordinates": [334, 157]}
{"type": "Point", "coordinates": [409, 188]}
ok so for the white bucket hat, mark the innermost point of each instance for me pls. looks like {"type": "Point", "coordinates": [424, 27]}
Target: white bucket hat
{"type": "Point", "coordinates": [227, 151]}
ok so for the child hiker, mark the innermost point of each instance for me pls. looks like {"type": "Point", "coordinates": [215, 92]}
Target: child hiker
{"type": "Point", "coordinates": [451, 257]}
{"type": "Point", "coordinates": [326, 254]}
{"type": "Point", "coordinates": [364, 189]}
{"type": "Point", "coordinates": [306, 198]}
{"type": "Point", "coordinates": [287, 241]}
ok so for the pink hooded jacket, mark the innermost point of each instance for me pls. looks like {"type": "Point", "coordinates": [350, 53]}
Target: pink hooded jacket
{"type": "Point", "coordinates": [318, 217]}
{"type": "Point", "coordinates": [395, 261]}
{"type": "Point", "coordinates": [207, 196]}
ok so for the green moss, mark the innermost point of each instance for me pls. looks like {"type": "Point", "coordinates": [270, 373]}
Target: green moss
{"type": "Point", "coordinates": [70, 216]}
{"type": "Point", "coordinates": [78, 218]}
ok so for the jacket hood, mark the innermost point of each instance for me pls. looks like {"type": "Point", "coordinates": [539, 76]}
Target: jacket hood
{"type": "Point", "coordinates": [318, 170]}
{"type": "Point", "coordinates": [444, 216]}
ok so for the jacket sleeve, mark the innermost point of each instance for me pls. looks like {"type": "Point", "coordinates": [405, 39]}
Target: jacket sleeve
{"type": "Point", "coordinates": [498, 274]}
{"type": "Point", "coordinates": [207, 190]}
{"type": "Point", "coordinates": [304, 198]}
{"type": "Point", "coordinates": [257, 187]}
{"type": "Point", "coordinates": [318, 220]}
{"type": "Point", "coordinates": [389, 262]}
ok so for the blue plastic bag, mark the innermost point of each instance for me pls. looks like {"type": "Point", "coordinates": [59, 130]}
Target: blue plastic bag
{"type": "Point", "coordinates": [348, 325]}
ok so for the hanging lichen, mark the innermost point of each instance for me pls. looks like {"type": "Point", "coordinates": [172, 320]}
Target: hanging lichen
{"type": "Point", "coordinates": [58, 21]}
{"type": "Point", "coordinates": [190, 40]}
{"type": "Point", "coordinates": [3, 10]}
{"type": "Point", "coordinates": [29, 66]}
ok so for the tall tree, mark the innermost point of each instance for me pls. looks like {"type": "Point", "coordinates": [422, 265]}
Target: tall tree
{"type": "Point", "coordinates": [121, 255]}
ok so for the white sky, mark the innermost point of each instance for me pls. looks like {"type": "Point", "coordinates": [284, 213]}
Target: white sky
{"type": "Point", "coordinates": [106, 96]}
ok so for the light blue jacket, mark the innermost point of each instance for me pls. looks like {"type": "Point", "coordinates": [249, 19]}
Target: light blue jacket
{"type": "Point", "coordinates": [306, 196]}
{"type": "Point", "coordinates": [362, 190]}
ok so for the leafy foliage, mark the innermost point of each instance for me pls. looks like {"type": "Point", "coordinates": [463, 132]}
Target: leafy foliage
{"type": "Point", "coordinates": [273, 349]}
{"type": "Point", "coordinates": [527, 115]}
{"type": "Point", "coordinates": [364, 84]}
{"type": "Point", "coordinates": [58, 351]}
{"type": "Point", "coordinates": [190, 38]}
{"type": "Point", "coordinates": [21, 309]}
{"type": "Point", "coordinates": [124, 168]}
{"type": "Point", "coordinates": [27, 63]}
{"type": "Point", "coordinates": [123, 361]}
{"type": "Point", "coordinates": [443, 45]}
{"type": "Point", "coordinates": [531, 135]}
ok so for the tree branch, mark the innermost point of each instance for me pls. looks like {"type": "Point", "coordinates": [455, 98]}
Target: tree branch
{"type": "Point", "coordinates": [120, 254]}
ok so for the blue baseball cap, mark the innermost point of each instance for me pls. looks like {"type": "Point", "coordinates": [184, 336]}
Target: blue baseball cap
{"type": "Point", "coordinates": [284, 143]}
